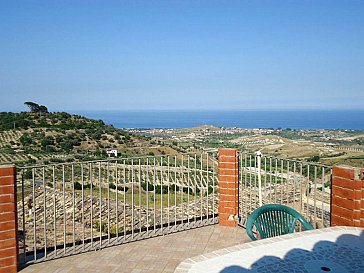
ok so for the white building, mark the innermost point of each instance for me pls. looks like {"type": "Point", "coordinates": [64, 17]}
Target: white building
{"type": "Point", "coordinates": [112, 152]}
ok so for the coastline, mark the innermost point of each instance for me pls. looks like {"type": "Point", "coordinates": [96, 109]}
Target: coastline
{"type": "Point", "coordinates": [294, 119]}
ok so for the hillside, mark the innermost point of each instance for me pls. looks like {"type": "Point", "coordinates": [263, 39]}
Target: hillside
{"type": "Point", "coordinates": [30, 138]}
{"type": "Point", "coordinates": [327, 147]}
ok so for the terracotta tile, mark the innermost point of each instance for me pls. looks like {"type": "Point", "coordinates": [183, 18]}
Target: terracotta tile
{"type": "Point", "coordinates": [158, 254]}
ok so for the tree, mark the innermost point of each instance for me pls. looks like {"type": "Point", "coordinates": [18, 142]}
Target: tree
{"type": "Point", "coordinates": [43, 109]}
{"type": "Point", "coordinates": [48, 140]}
{"type": "Point", "coordinates": [36, 108]}
{"type": "Point", "coordinates": [25, 140]}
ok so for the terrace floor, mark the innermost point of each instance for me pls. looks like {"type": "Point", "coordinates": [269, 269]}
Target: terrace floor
{"type": "Point", "coordinates": [159, 254]}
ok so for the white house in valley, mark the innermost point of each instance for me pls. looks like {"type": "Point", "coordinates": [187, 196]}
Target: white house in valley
{"type": "Point", "coordinates": [112, 152]}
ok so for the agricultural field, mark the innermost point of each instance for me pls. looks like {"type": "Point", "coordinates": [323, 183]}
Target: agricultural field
{"type": "Point", "coordinates": [324, 146]}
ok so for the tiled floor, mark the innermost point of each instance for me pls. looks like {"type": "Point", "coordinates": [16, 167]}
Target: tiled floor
{"type": "Point", "coordinates": [160, 254]}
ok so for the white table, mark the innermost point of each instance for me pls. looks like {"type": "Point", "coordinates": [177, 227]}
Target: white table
{"type": "Point", "coordinates": [333, 250]}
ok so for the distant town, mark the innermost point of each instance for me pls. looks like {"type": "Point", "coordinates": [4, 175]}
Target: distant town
{"type": "Point", "coordinates": [326, 146]}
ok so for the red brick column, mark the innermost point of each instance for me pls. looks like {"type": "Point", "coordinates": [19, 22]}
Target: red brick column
{"type": "Point", "coordinates": [347, 197]}
{"type": "Point", "coordinates": [8, 220]}
{"type": "Point", "coordinates": [228, 187]}
{"type": "Point", "coordinates": [362, 202]}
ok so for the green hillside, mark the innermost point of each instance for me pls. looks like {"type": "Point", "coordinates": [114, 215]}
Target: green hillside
{"type": "Point", "coordinates": [31, 137]}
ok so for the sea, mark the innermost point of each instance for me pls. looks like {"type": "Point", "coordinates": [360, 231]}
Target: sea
{"type": "Point", "coordinates": [297, 119]}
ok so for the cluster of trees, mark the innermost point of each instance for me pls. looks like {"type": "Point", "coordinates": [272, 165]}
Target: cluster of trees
{"type": "Point", "coordinates": [57, 120]}
{"type": "Point", "coordinates": [36, 108]}
{"type": "Point", "coordinates": [65, 141]}
{"type": "Point", "coordinates": [60, 122]}
{"type": "Point", "coordinates": [9, 120]}
{"type": "Point", "coordinates": [49, 143]}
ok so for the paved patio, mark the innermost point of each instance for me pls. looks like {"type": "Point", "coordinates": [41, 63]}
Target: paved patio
{"type": "Point", "coordinates": [160, 254]}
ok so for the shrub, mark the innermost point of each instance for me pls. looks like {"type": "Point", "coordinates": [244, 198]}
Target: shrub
{"type": "Point", "coordinates": [28, 174]}
{"type": "Point", "coordinates": [315, 158]}
{"type": "Point", "coordinates": [25, 140]}
{"type": "Point", "coordinates": [77, 186]}
{"type": "Point", "coordinates": [31, 160]}
{"type": "Point", "coordinates": [56, 160]}
{"type": "Point", "coordinates": [104, 228]}
{"type": "Point", "coordinates": [122, 188]}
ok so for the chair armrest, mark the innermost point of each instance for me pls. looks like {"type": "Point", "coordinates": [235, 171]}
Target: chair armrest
{"type": "Point", "coordinates": [304, 223]}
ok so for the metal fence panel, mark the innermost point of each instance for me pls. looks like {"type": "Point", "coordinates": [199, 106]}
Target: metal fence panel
{"type": "Point", "coordinates": [304, 186]}
{"type": "Point", "coordinates": [71, 208]}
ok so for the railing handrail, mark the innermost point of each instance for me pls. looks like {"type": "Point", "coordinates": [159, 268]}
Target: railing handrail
{"type": "Point", "coordinates": [288, 159]}
{"type": "Point", "coordinates": [113, 159]}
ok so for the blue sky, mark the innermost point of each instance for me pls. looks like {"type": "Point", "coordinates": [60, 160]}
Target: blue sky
{"type": "Point", "coordinates": [182, 55]}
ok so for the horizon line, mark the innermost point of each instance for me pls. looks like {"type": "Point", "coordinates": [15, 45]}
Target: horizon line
{"type": "Point", "coordinates": [197, 110]}
{"type": "Point", "coordinates": [208, 110]}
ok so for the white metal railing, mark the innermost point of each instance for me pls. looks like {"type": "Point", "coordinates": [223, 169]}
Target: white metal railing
{"type": "Point", "coordinates": [304, 186]}
{"type": "Point", "coordinates": [68, 208]}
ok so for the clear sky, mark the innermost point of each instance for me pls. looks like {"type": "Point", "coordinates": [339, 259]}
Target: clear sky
{"type": "Point", "coordinates": [132, 55]}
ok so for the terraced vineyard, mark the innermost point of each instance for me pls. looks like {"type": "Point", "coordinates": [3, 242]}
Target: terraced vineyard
{"type": "Point", "coordinates": [12, 158]}
{"type": "Point", "coordinates": [6, 137]}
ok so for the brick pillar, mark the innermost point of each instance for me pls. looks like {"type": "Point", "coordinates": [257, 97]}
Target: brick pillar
{"type": "Point", "coordinates": [8, 220]}
{"type": "Point", "coordinates": [347, 196]}
{"type": "Point", "coordinates": [362, 202]}
{"type": "Point", "coordinates": [228, 187]}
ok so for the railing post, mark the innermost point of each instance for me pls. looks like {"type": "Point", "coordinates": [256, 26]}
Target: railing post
{"type": "Point", "coordinates": [258, 156]}
{"type": "Point", "coordinates": [347, 196]}
{"type": "Point", "coordinates": [8, 220]}
{"type": "Point", "coordinates": [228, 187]}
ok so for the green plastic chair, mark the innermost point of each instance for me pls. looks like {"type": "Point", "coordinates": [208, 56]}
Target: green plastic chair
{"type": "Point", "coordinates": [273, 220]}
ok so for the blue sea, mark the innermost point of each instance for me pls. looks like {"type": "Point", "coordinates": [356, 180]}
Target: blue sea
{"type": "Point", "coordinates": [313, 119]}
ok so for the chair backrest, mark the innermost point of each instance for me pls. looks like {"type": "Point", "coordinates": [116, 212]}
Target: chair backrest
{"type": "Point", "coordinates": [274, 220]}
